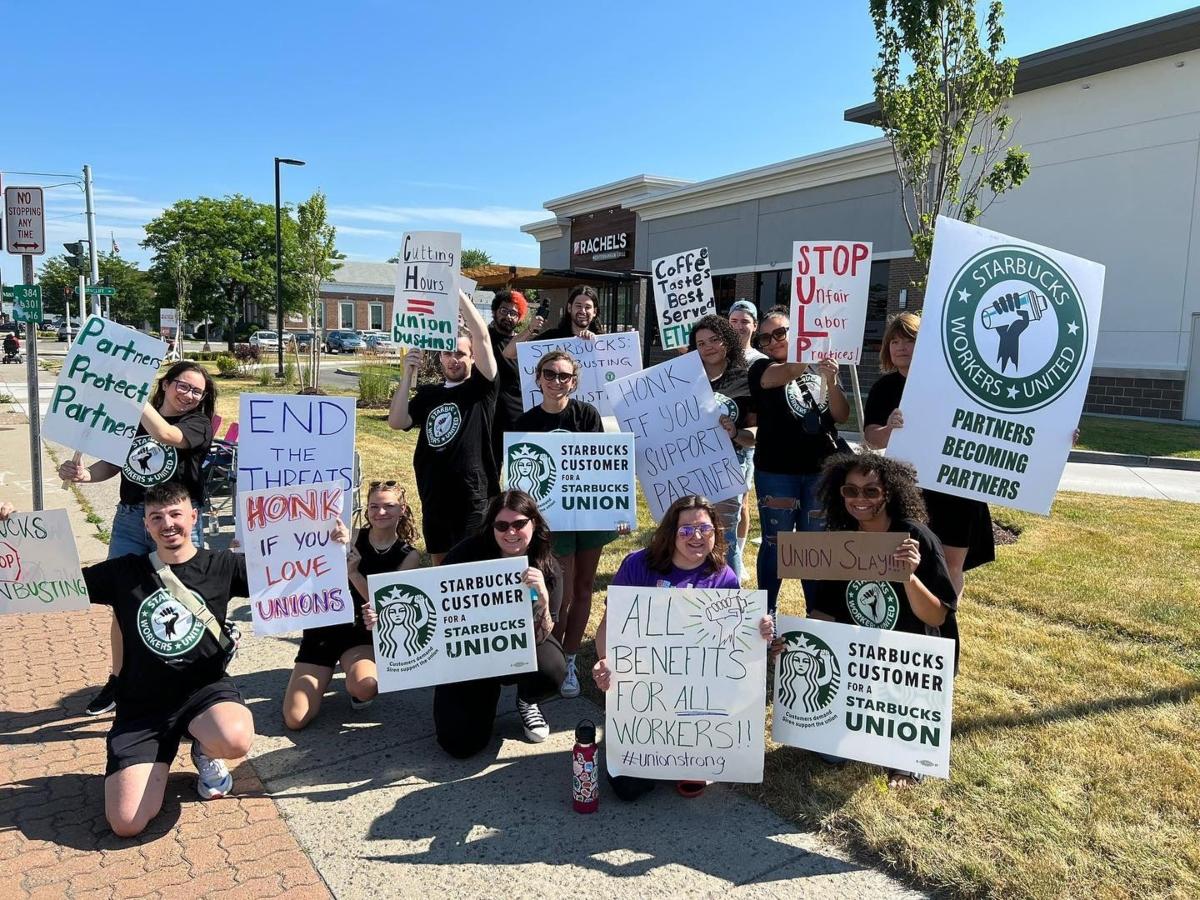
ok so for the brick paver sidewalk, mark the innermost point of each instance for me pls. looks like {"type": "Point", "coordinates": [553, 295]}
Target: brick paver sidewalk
{"type": "Point", "coordinates": [54, 841]}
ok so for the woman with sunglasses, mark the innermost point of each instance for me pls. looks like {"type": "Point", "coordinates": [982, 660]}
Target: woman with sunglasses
{"type": "Point", "coordinates": [386, 545]}
{"type": "Point", "coordinates": [799, 408]}
{"type": "Point", "coordinates": [172, 442]}
{"type": "Point", "coordinates": [686, 551]}
{"type": "Point", "coordinates": [577, 552]}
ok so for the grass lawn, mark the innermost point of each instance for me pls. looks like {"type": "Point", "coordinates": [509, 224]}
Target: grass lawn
{"type": "Point", "coordinates": [1132, 436]}
{"type": "Point", "coordinates": [1075, 766]}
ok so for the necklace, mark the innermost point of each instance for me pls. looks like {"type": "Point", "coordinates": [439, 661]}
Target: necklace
{"type": "Point", "coordinates": [386, 547]}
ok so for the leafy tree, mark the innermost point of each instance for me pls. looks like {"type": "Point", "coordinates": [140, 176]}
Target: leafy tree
{"type": "Point", "coordinates": [134, 302]}
{"type": "Point", "coordinates": [946, 119]}
{"type": "Point", "coordinates": [472, 257]}
{"type": "Point", "coordinates": [316, 260]}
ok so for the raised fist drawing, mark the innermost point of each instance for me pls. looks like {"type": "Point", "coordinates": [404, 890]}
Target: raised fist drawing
{"type": "Point", "coordinates": [1010, 334]}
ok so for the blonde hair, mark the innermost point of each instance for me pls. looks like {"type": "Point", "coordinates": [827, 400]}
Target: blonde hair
{"type": "Point", "coordinates": [905, 324]}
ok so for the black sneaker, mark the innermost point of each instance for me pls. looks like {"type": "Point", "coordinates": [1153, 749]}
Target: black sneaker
{"type": "Point", "coordinates": [105, 701]}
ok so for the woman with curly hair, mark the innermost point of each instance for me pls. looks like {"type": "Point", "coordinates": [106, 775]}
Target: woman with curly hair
{"type": "Point", "coordinates": [385, 546]}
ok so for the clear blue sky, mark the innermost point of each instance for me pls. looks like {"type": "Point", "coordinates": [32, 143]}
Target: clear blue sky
{"type": "Point", "coordinates": [457, 116]}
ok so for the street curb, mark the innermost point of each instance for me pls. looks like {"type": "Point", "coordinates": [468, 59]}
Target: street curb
{"type": "Point", "coordinates": [1096, 457]}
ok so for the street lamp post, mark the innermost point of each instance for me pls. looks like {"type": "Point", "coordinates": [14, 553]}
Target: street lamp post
{"type": "Point", "coordinates": [279, 261]}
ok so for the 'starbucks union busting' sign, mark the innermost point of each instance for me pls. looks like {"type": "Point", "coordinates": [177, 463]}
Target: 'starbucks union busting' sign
{"type": "Point", "coordinates": [1001, 367]}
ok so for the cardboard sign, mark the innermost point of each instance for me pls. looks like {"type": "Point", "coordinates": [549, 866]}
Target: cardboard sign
{"type": "Point", "coordinates": [425, 308]}
{"type": "Point", "coordinates": [882, 697]}
{"type": "Point", "coordinates": [102, 389]}
{"type": "Point", "coordinates": [297, 573]}
{"type": "Point", "coordinates": [289, 440]}
{"type": "Point", "coordinates": [683, 293]}
{"type": "Point", "coordinates": [1000, 368]}
{"type": "Point", "coordinates": [681, 447]}
{"type": "Point", "coordinates": [39, 564]}
{"type": "Point", "coordinates": [452, 623]}
{"type": "Point", "coordinates": [830, 284]}
{"type": "Point", "coordinates": [581, 482]}
{"type": "Point", "coordinates": [688, 690]}
{"type": "Point", "coordinates": [840, 555]}
{"type": "Point", "coordinates": [601, 361]}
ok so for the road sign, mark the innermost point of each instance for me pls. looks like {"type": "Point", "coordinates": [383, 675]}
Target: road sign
{"type": "Point", "coordinates": [102, 290]}
{"type": "Point", "coordinates": [24, 221]}
{"type": "Point", "coordinates": [8, 292]}
{"type": "Point", "coordinates": [27, 303]}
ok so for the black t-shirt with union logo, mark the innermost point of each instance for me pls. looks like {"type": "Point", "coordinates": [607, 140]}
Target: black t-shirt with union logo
{"type": "Point", "coordinates": [453, 460]}
{"type": "Point", "coordinates": [791, 439]}
{"type": "Point", "coordinates": [150, 463]}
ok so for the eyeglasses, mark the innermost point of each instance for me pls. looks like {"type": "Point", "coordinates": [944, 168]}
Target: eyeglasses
{"type": "Point", "coordinates": [686, 531]}
{"type": "Point", "coordinates": [509, 312]}
{"type": "Point", "coordinates": [870, 492]}
{"type": "Point", "coordinates": [767, 337]}
{"type": "Point", "coordinates": [188, 390]}
{"type": "Point", "coordinates": [560, 377]}
{"type": "Point", "coordinates": [511, 525]}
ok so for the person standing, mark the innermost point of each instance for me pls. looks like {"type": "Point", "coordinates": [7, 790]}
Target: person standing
{"type": "Point", "coordinates": [172, 441]}
{"type": "Point", "coordinates": [580, 318]}
{"type": "Point", "coordinates": [453, 462]}
{"type": "Point", "coordinates": [508, 309]}
{"type": "Point", "coordinates": [743, 316]}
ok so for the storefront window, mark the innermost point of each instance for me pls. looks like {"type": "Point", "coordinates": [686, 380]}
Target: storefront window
{"type": "Point", "coordinates": [377, 317]}
{"type": "Point", "coordinates": [774, 289]}
{"type": "Point", "coordinates": [346, 314]}
{"type": "Point", "coordinates": [725, 291]}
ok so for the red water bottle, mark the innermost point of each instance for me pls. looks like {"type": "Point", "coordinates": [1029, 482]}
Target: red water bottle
{"type": "Point", "coordinates": [585, 781]}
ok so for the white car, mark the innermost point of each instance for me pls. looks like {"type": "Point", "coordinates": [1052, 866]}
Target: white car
{"type": "Point", "coordinates": [269, 340]}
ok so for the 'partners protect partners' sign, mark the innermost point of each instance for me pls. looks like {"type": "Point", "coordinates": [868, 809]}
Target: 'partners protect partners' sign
{"type": "Point", "coordinates": [425, 309]}
{"type": "Point", "coordinates": [105, 382]}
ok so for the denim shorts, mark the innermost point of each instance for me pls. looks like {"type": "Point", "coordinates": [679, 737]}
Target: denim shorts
{"type": "Point", "coordinates": [129, 535]}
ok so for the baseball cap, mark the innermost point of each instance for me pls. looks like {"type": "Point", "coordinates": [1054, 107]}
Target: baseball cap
{"type": "Point", "coordinates": [744, 306]}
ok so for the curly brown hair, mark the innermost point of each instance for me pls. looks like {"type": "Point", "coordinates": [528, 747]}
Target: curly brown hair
{"type": "Point", "coordinates": [406, 527]}
{"type": "Point", "coordinates": [661, 552]}
{"type": "Point", "coordinates": [735, 357]}
{"type": "Point", "coordinates": [899, 480]}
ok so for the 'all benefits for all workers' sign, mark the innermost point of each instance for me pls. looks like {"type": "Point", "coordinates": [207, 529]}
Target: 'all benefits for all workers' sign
{"type": "Point", "coordinates": [1000, 368]}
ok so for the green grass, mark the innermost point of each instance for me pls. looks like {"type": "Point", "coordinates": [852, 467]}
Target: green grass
{"type": "Point", "coordinates": [1143, 438]}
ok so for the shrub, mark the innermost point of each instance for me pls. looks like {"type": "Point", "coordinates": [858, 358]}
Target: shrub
{"type": "Point", "coordinates": [264, 376]}
{"type": "Point", "coordinates": [289, 372]}
{"type": "Point", "coordinates": [374, 385]}
{"type": "Point", "coordinates": [246, 356]}
{"type": "Point", "coordinates": [226, 364]}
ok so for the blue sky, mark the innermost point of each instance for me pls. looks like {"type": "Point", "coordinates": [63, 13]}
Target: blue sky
{"type": "Point", "coordinates": [456, 116]}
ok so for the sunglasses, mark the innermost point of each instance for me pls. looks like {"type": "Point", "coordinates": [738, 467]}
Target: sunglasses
{"type": "Point", "coordinates": [767, 337]}
{"type": "Point", "coordinates": [853, 492]}
{"type": "Point", "coordinates": [560, 377]}
{"type": "Point", "coordinates": [511, 525]}
{"type": "Point", "coordinates": [188, 391]}
{"type": "Point", "coordinates": [376, 485]}
{"type": "Point", "coordinates": [686, 531]}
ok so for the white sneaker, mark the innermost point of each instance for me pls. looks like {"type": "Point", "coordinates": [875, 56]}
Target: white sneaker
{"type": "Point", "coordinates": [570, 685]}
{"type": "Point", "coordinates": [213, 778]}
{"type": "Point", "coordinates": [536, 729]}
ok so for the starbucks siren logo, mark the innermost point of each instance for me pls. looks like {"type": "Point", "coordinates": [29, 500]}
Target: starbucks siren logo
{"type": "Point", "coordinates": [443, 424]}
{"type": "Point", "coordinates": [809, 677]}
{"type": "Point", "coordinates": [873, 604]}
{"type": "Point", "coordinates": [406, 620]}
{"type": "Point", "coordinates": [166, 627]}
{"type": "Point", "coordinates": [531, 469]}
{"type": "Point", "coordinates": [149, 462]}
{"type": "Point", "coordinates": [1014, 329]}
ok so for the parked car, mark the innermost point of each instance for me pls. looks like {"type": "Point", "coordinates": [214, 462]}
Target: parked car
{"type": "Point", "coordinates": [380, 342]}
{"type": "Point", "coordinates": [269, 340]}
{"type": "Point", "coordinates": [13, 327]}
{"type": "Point", "coordinates": [303, 339]}
{"type": "Point", "coordinates": [62, 330]}
{"type": "Point", "coordinates": [343, 341]}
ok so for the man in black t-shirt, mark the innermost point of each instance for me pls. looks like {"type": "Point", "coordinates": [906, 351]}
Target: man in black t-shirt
{"type": "Point", "coordinates": [507, 309]}
{"type": "Point", "coordinates": [454, 463]}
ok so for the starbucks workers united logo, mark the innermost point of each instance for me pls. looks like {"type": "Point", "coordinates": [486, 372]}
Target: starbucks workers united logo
{"type": "Point", "coordinates": [1014, 329]}
{"type": "Point", "coordinates": [443, 424]}
{"type": "Point", "coordinates": [149, 462]}
{"type": "Point", "coordinates": [873, 604]}
{"type": "Point", "coordinates": [531, 469]}
{"type": "Point", "coordinates": [165, 625]}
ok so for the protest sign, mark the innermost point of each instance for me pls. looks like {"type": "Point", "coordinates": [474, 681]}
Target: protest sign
{"type": "Point", "coordinates": [452, 623]}
{"type": "Point", "coordinates": [878, 696]}
{"type": "Point", "coordinates": [688, 690]}
{"type": "Point", "coordinates": [1000, 368]}
{"type": "Point", "coordinates": [681, 447]}
{"type": "Point", "coordinates": [840, 555]}
{"type": "Point", "coordinates": [295, 440]}
{"type": "Point", "coordinates": [104, 384]}
{"type": "Point", "coordinates": [580, 482]}
{"type": "Point", "coordinates": [601, 360]}
{"type": "Point", "coordinates": [297, 573]}
{"type": "Point", "coordinates": [830, 284]}
{"type": "Point", "coordinates": [168, 321]}
{"type": "Point", "coordinates": [683, 293]}
{"type": "Point", "coordinates": [425, 309]}
{"type": "Point", "coordinates": [39, 564]}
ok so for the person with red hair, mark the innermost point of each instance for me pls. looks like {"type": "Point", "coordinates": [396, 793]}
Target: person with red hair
{"type": "Point", "coordinates": [508, 311]}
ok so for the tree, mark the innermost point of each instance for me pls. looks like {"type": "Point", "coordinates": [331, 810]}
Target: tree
{"type": "Point", "coordinates": [316, 260]}
{"type": "Point", "coordinates": [473, 257]}
{"type": "Point", "coordinates": [946, 120]}
{"type": "Point", "coordinates": [134, 302]}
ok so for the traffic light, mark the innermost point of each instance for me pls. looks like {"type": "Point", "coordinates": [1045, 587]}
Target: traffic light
{"type": "Point", "coordinates": [76, 256]}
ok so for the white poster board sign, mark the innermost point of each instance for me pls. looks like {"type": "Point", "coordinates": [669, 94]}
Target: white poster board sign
{"type": "Point", "coordinates": [1001, 367]}
{"type": "Point", "coordinates": [602, 360]}
{"type": "Point", "coordinates": [581, 482]}
{"type": "Point", "coordinates": [688, 692]}
{"type": "Point", "coordinates": [297, 573]}
{"type": "Point", "coordinates": [105, 382]}
{"type": "Point", "coordinates": [830, 284]}
{"type": "Point", "coordinates": [683, 293]}
{"type": "Point", "coordinates": [878, 696]}
{"type": "Point", "coordinates": [168, 320]}
{"type": "Point", "coordinates": [39, 564]}
{"type": "Point", "coordinates": [452, 623]}
{"type": "Point", "coordinates": [425, 308]}
{"type": "Point", "coordinates": [681, 447]}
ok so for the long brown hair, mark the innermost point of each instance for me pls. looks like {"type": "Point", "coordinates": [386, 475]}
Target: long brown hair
{"type": "Point", "coordinates": [540, 552]}
{"type": "Point", "coordinates": [207, 403]}
{"type": "Point", "coordinates": [903, 324]}
{"type": "Point", "coordinates": [661, 552]}
{"type": "Point", "coordinates": [406, 529]}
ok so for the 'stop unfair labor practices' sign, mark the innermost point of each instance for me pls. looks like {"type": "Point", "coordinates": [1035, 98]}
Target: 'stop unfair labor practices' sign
{"type": "Point", "coordinates": [453, 623]}
{"type": "Point", "coordinates": [1000, 368]}
{"type": "Point", "coordinates": [425, 310]}
{"type": "Point", "coordinates": [683, 293]}
{"type": "Point", "coordinates": [681, 447]}
{"type": "Point", "coordinates": [580, 482]}
{"type": "Point", "coordinates": [602, 360]}
{"type": "Point", "coordinates": [688, 692]}
{"type": "Point", "coordinates": [830, 283]}
{"type": "Point", "coordinates": [878, 696]}
{"type": "Point", "coordinates": [24, 221]}
{"type": "Point", "coordinates": [39, 564]}
{"type": "Point", "coordinates": [105, 382]}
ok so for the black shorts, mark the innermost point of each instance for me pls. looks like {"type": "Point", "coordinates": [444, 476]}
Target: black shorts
{"type": "Point", "coordinates": [142, 734]}
{"type": "Point", "coordinates": [325, 646]}
{"type": "Point", "coordinates": [962, 522]}
{"type": "Point", "coordinates": [444, 527]}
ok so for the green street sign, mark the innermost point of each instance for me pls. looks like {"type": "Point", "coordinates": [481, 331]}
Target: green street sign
{"type": "Point", "coordinates": [27, 303]}
{"type": "Point", "coordinates": [102, 290]}
{"type": "Point", "coordinates": [8, 292]}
